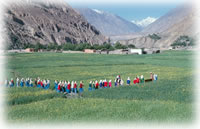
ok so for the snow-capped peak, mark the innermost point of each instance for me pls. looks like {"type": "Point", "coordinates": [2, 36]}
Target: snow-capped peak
{"type": "Point", "coordinates": [145, 22]}
{"type": "Point", "coordinates": [98, 11]}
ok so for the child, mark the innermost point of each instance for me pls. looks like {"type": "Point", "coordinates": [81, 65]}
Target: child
{"type": "Point", "coordinates": [44, 84]}
{"type": "Point", "coordinates": [56, 85]}
{"type": "Point", "coordinates": [65, 85]}
{"type": "Point", "coordinates": [135, 81]}
{"type": "Point", "coordinates": [17, 82]}
{"type": "Point", "coordinates": [128, 81]}
{"type": "Point", "coordinates": [81, 88]}
{"type": "Point", "coordinates": [31, 83]}
{"type": "Point", "coordinates": [96, 85]}
{"type": "Point", "coordinates": [155, 77]}
{"type": "Point", "coordinates": [26, 82]}
{"type": "Point", "coordinates": [68, 87]}
{"type": "Point", "coordinates": [59, 87]}
{"type": "Point", "coordinates": [93, 85]}
{"type": "Point", "coordinates": [119, 82]}
{"type": "Point", "coordinates": [110, 84]}
{"type": "Point", "coordinates": [138, 79]}
{"type": "Point", "coordinates": [122, 82]}
{"type": "Point", "coordinates": [72, 87]}
{"type": "Point", "coordinates": [90, 86]}
{"type": "Point", "coordinates": [41, 84]}
{"type": "Point", "coordinates": [100, 84]}
{"type": "Point", "coordinates": [35, 82]}
{"type": "Point", "coordinates": [141, 79]}
{"type": "Point", "coordinates": [6, 82]}
{"type": "Point", "coordinates": [38, 83]}
{"type": "Point", "coordinates": [12, 82]}
{"type": "Point", "coordinates": [115, 82]}
{"type": "Point", "coordinates": [22, 82]}
{"type": "Point", "coordinates": [48, 84]}
{"type": "Point", "coordinates": [75, 87]}
{"type": "Point", "coordinates": [105, 84]}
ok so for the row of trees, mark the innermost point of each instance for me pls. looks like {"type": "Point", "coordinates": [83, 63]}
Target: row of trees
{"type": "Point", "coordinates": [183, 41]}
{"type": "Point", "coordinates": [77, 47]}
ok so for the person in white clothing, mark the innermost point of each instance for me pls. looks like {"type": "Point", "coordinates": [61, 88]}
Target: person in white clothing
{"type": "Point", "coordinates": [72, 87]}
{"type": "Point", "coordinates": [17, 82]}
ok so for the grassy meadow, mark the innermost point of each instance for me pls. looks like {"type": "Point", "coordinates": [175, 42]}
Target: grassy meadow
{"type": "Point", "coordinates": [170, 99]}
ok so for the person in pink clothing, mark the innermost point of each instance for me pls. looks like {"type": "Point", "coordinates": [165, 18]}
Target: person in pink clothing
{"type": "Point", "coordinates": [110, 83]}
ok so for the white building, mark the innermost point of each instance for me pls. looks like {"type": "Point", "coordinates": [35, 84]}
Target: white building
{"type": "Point", "coordinates": [136, 51]}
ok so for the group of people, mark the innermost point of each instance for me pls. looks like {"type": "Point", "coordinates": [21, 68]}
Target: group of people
{"type": "Point", "coordinates": [68, 87]}
{"type": "Point", "coordinates": [28, 82]}
{"type": "Point", "coordinates": [72, 87]}
{"type": "Point", "coordinates": [93, 85]}
{"type": "Point", "coordinates": [101, 84]}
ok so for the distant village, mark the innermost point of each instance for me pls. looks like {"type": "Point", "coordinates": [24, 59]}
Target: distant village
{"type": "Point", "coordinates": [92, 51]}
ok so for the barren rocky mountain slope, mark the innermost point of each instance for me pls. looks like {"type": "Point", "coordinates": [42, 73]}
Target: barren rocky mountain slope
{"type": "Point", "coordinates": [33, 22]}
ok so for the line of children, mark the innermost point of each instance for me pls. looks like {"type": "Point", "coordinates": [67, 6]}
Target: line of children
{"type": "Point", "coordinates": [64, 86]}
{"type": "Point", "coordinates": [28, 83]}
{"type": "Point", "coordinates": [67, 87]}
{"type": "Point", "coordinates": [45, 84]}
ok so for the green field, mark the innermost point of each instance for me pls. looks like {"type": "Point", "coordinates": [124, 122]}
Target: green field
{"type": "Point", "coordinates": [170, 99]}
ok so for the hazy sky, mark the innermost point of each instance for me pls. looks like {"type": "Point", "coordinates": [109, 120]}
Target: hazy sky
{"type": "Point", "coordinates": [128, 10]}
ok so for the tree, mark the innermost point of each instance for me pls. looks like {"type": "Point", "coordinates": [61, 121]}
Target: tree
{"type": "Point", "coordinates": [120, 46]}
{"type": "Point", "coordinates": [38, 46]}
{"type": "Point", "coordinates": [131, 46]}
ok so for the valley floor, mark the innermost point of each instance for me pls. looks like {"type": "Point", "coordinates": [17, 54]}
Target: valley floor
{"type": "Point", "coordinates": [170, 99]}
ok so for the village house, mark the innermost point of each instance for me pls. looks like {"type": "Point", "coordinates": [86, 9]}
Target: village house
{"type": "Point", "coordinates": [135, 51]}
{"type": "Point", "coordinates": [29, 50]}
{"type": "Point", "coordinates": [89, 51]}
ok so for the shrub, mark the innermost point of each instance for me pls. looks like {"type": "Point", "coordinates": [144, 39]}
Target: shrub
{"type": "Point", "coordinates": [120, 46]}
{"type": "Point", "coordinates": [131, 46]}
{"type": "Point", "coordinates": [154, 36]}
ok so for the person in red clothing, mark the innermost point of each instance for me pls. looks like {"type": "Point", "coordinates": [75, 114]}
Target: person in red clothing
{"type": "Point", "coordinates": [75, 87]}
{"type": "Point", "coordinates": [138, 79]}
{"type": "Point", "coordinates": [41, 84]}
{"type": "Point", "coordinates": [105, 84]}
{"type": "Point", "coordinates": [68, 87]}
{"type": "Point", "coordinates": [96, 85]}
{"type": "Point", "coordinates": [81, 88]}
{"type": "Point", "coordinates": [135, 81]}
{"type": "Point", "coordinates": [59, 87]}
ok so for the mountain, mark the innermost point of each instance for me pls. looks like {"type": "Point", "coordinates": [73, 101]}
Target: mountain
{"type": "Point", "coordinates": [47, 22]}
{"type": "Point", "coordinates": [107, 23]}
{"type": "Point", "coordinates": [164, 37]}
{"type": "Point", "coordinates": [144, 22]}
{"type": "Point", "coordinates": [172, 17]}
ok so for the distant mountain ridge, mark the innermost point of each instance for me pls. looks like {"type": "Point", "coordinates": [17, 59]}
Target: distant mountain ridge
{"type": "Point", "coordinates": [178, 22]}
{"type": "Point", "coordinates": [144, 22]}
{"type": "Point", "coordinates": [107, 23]}
{"type": "Point", "coordinates": [166, 21]}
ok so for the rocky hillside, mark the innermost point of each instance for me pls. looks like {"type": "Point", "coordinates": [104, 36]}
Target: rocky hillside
{"type": "Point", "coordinates": [163, 39]}
{"type": "Point", "coordinates": [33, 22]}
{"type": "Point", "coordinates": [107, 23]}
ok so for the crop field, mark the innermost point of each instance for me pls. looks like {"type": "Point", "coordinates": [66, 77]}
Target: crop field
{"type": "Point", "coordinates": [170, 99]}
